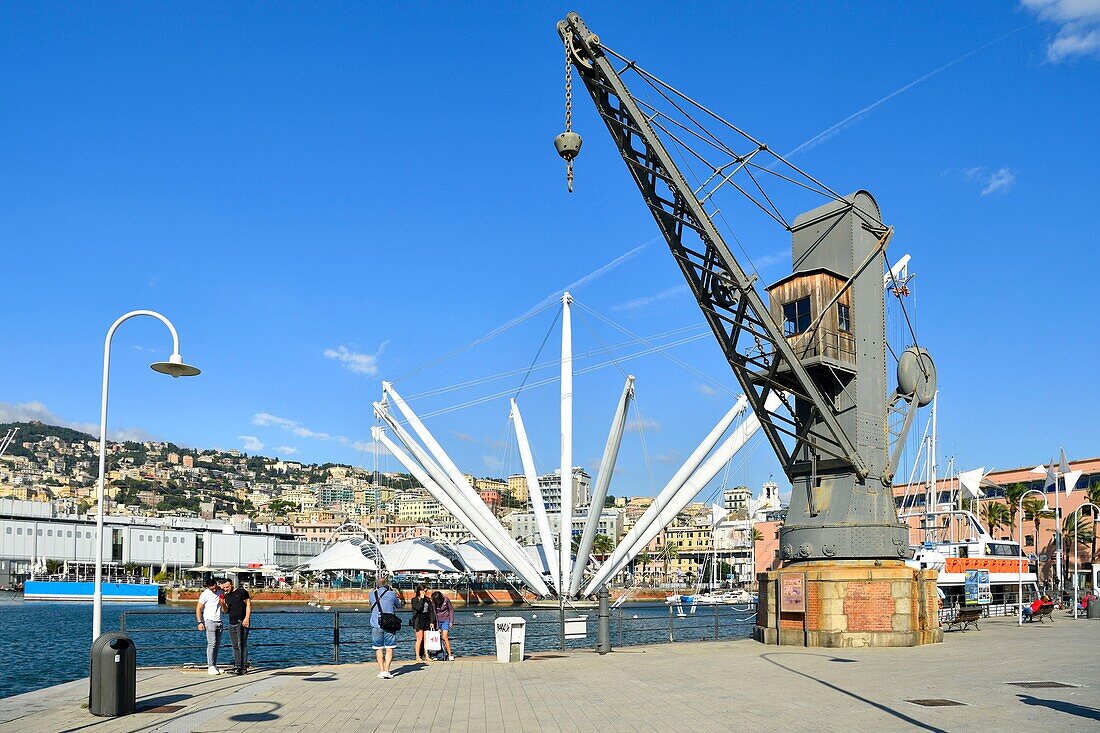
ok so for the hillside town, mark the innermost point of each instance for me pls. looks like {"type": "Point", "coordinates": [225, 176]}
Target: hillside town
{"type": "Point", "coordinates": [159, 481]}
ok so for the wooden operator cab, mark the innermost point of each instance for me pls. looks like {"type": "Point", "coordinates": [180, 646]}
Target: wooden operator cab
{"type": "Point", "coordinates": [797, 300]}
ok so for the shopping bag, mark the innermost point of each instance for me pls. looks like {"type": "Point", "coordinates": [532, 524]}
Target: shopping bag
{"type": "Point", "coordinates": [432, 642]}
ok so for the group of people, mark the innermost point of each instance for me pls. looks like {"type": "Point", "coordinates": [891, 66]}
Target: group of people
{"type": "Point", "coordinates": [222, 606]}
{"type": "Point", "coordinates": [430, 613]}
{"type": "Point", "coordinates": [1082, 605]}
{"type": "Point", "coordinates": [218, 603]}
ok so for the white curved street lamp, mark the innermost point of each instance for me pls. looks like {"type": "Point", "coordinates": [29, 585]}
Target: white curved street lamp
{"type": "Point", "coordinates": [1019, 566]}
{"type": "Point", "coordinates": [174, 367]}
{"type": "Point", "coordinates": [1076, 557]}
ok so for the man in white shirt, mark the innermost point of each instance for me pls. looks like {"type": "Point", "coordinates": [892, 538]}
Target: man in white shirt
{"type": "Point", "coordinates": [208, 613]}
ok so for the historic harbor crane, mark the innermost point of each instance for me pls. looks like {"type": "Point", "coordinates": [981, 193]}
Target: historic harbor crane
{"type": "Point", "coordinates": [819, 344]}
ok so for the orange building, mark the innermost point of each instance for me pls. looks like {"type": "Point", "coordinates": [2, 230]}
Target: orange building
{"type": "Point", "coordinates": [911, 500]}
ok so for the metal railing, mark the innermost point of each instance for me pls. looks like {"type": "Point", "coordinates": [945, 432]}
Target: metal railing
{"type": "Point", "coordinates": [291, 637]}
{"type": "Point", "coordinates": [1001, 604]}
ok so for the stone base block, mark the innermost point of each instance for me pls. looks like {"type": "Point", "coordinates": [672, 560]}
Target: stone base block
{"type": "Point", "coordinates": [851, 603]}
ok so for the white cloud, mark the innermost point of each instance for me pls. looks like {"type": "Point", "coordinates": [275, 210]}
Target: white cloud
{"type": "Point", "coordinates": [647, 300]}
{"type": "Point", "coordinates": [639, 424]}
{"type": "Point", "coordinates": [1002, 178]}
{"type": "Point", "coordinates": [34, 410]}
{"type": "Point", "coordinates": [356, 362]}
{"type": "Point", "coordinates": [266, 419]}
{"type": "Point", "coordinates": [1078, 24]}
{"type": "Point", "coordinates": [287, 450]}
{"type": "Point", "coordinates": [706, 390]}
{"type": "Point", "coordinates": [492, 462]}
{"type": "Point", "coordinates": [464, 437]}
{"type": "Point", "coordinates": [251, 443]}
{"type": "Point", "coordinates": [783, 255]}
{"type": "Point", "coordinates": [668, 457]}
{"type": "Point", "coordinates": [991, 181]}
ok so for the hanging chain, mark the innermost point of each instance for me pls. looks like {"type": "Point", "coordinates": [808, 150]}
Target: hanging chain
{"type": "Point", "coordinates": [568, 112]}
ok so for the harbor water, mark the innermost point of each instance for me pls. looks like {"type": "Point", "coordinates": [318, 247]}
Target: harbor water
{"type": "Point", "coordinates": [48, 643]}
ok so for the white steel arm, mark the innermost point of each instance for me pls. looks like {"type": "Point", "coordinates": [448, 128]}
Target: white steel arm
{"type": "Point", "coordinates": [661, 513]}
{"type": "Point", "coordinates": [509, 549]}
{"type": "Point", "coordinates": [538, 506]}
{"type": "Point", "coordinates": [603, 480]}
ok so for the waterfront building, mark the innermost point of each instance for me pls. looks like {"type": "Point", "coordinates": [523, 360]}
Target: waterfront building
{"type": "Point", "coordinates": [550, 486]}
{"type": "Point", "coordinates": [32, 532]}
{"type": "Point", "coordinates": [492, 499]}
{"type": "Point", "coordinates": [522, 527]}
{"type": "Point", "coordinates": [737, 499]}
{"type": "Point", "coordinates": [517, 487]}
{"type": "Point", "coordinates": [333, 494]}
{"type": "Point", "coordinates": [417, 507]}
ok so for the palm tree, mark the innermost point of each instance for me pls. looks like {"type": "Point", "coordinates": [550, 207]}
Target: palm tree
{"type": "Point", "coordinates": [1035, 510]}
{"type": "Point", "coordinates": [672, 551]}
{"type": "Point", "coordinates": [995, 515]}
{"type": "Point", "coordinates": [1012, 496]}
{"type": "Point", "coordinates": [602, 545]}
{"type": "Point", "coordinates": [756, 535]}
{"type": "Point", "coordinates": [1093, 495]}
{"type": "Point", "coordinates": [643, 558]}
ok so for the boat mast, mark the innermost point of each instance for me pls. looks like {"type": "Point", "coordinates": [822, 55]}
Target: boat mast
{"type": "Point", "coordinates": [931, 494]}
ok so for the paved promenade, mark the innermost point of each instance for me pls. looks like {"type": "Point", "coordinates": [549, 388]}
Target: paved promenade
{"type": "Point", "coordinates": [706, 686]}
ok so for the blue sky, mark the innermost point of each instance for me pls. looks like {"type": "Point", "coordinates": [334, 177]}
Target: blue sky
{"type": "Point", "coordinates": [324, 196]}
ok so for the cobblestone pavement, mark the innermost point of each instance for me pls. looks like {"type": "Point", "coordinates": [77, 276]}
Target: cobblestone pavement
{"type": "Point", "coordinates": [705, 686]}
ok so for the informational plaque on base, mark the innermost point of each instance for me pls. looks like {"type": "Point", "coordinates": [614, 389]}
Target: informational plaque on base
{"type": "Point", "coordinates": [792, 593]}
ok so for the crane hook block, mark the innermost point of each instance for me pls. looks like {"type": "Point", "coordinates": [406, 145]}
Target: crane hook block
{"type": "Point", "coordinates": [568, 144]}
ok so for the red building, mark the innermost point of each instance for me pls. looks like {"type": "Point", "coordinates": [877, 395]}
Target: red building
{"type": "Point", "coordinates": [491, 497]}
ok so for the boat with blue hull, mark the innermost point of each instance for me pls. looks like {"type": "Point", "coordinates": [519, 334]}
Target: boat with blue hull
{"type": "Point", "coordinates": [81, 590]}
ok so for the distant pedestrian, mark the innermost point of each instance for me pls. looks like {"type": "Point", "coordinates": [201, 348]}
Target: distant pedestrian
{"type": "Point", "coordinates": [444, 619]}
{"type": "Point", "coordinates": [384, 624]}
{"type": "Point", "coordinates": [423, 619]}
{"type": "Point", "coordinates": [238, 605]}
{"type": "Point", "coordinates": [208, 614]}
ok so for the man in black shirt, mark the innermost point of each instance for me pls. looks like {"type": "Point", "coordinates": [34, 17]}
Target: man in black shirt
{"type": "Point", "coordinates": [239, 607]}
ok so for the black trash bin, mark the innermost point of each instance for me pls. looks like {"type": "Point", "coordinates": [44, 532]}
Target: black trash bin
{"type": "Point", "coordinates": [113, 676]}
{"type": "Point", "coordinates": [1093, 610]}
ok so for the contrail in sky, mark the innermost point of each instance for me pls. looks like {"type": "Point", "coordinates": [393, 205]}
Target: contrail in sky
{"type": "Point", "coordinates": [545, 302]}
{"type": "Point", "coordinates": [850, 119]}
{"type": "Point", "coordinates": [577, 284]}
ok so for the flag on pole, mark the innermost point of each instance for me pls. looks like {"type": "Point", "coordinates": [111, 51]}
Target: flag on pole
{"type": "Point", "coordinates": [971, 482]}
{"type": "Point", "coordinates": [1063, 464]}
{"type": "Point", "coordinates": [717, 514]}
{"type": "Point", "coordinates": [1052, 478]}
{"type": "Point", "coordinates": [1070, 477]}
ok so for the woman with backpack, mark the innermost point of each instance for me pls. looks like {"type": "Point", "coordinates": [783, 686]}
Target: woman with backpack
{"type": "Point", "coordinates": [444, 619]}
{"type": "Point", "coordinates": [423, 619]}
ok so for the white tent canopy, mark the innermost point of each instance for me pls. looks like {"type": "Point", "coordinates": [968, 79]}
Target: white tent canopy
{"type": "Point", "coordinates": [344, 555]}
{"type": "Point", "coordinates": [477, 558]}
{"type": "Point", "coordinates": [416, 555]}
{"type": "Point", "coordinates": [538, 556]}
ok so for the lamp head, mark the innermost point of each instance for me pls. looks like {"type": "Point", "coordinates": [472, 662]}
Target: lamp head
{"type": "Point", "coordinates": [175, 367]}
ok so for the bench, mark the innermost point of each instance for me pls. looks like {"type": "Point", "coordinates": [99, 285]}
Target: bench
{"type": "Point", "coordinates": [1045, 611]}
{"type": "Point", "coordinates": [965, 617]}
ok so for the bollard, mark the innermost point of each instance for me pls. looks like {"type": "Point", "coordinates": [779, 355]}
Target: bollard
{"type": "Point", "coordinates": [603, 625]}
